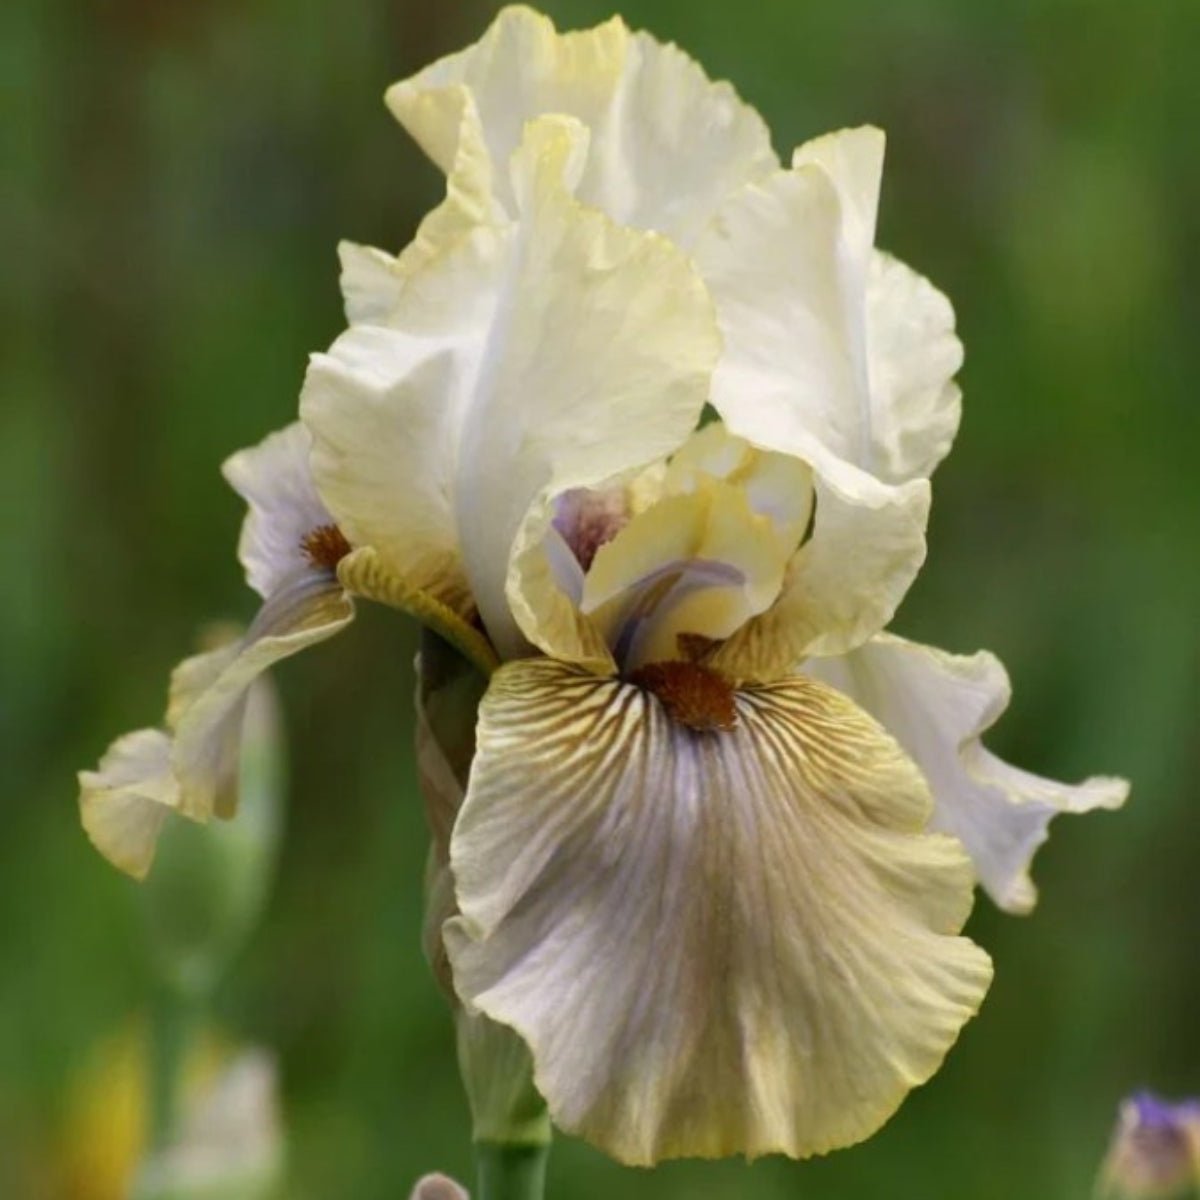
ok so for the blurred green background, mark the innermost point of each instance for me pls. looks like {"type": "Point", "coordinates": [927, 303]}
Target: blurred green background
{"type": "Point", "coordinates": [177, 176]}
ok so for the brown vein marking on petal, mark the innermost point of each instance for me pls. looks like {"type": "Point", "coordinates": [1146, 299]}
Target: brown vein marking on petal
{"type": "Point", "coordinates": [325, 546]}
{"type": "Point", "coordinates": [692, 694]}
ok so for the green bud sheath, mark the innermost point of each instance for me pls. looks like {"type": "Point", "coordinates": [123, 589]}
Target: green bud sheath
{"type": "Point", "coordinates": [511, 1127]}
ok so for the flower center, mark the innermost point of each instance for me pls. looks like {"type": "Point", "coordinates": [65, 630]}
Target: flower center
{"type": "Point", "coordinates": [325, 546]}
{"type": "Point", "coordinates": [693, 694]}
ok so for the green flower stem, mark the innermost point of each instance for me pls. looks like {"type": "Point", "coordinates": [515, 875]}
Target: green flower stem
{"type": "Point", "coordinates": [510, 1172]}
{"type": "Point", "coordinates": [172, 1022]}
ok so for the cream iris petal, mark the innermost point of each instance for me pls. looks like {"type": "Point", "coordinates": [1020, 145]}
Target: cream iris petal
{"type": "Point", "coordinates": [209, 692]}
{"type": "Point", "coordinates": [384, 452]}
{"type": "Point", "coordinates": [776, 485]}
{"type": "Point", "coordinates": [938, 706]}
{"type": "Point", "coordinates": [668, 144]}
{"type": "Point", "coordinates": [290, 548]}
{"type": "Point", "coordinates": [843, 585]}
{"type": "Point", "coordinates": [788, 262]}
{"type": "Point", "coordinates": [124, 803]}
{"type": "Point", "coordinates": [575, 351]}
{"type": "Point", "coordinates": [913, 356]}
{"type": "Point", "coordinates": [701, 563]}
{"type": "Point", "coordinates": [712, 943]}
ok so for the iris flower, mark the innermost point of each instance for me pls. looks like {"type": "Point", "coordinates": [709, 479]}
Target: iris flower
{"type": "Point", "coordinates": [642, 423]}
{"type": "Point", "coordinates": [290, 550]}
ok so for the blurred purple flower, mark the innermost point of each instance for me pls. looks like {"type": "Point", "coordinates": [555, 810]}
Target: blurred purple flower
{"type": "Point", "coordinates": [1155, 1149]}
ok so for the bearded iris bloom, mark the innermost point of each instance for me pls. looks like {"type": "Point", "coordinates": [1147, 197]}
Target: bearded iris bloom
{"type": "Point", "coordinates": [713, 847]}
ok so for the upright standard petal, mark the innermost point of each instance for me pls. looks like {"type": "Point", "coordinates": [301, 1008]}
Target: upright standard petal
{"type": "Point", "coordinates": [788, 262]}
{"type": "Point", "coordinates": [826, 338]}
{"type": "Point", "coordinates": [125, 801]}
{"type": "Point", "coordinates": [575, 351]}
{"type": "Point", "coordinates": [938, 706]}
{"type": "Point", "coordinates": [668, 145]}
{"type": "Point", "coordinates": [713, 943]}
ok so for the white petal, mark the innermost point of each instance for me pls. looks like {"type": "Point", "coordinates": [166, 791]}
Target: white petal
{"type": "Point", "coordinates": [372, 281]}
{"type": "Point", "coordinates": [846, 581]}
{"type": "Point", "coordinates": [914, 355]}
{"type": "Point", "coordinates": [787, 262]}
{"type": "Point", "coordinates": [826, 339]}
{"type": "Point", "coordinates": [575, 351]}
{"type": "Point", "coordinates": [713, 943]}
{"type": "Point", "coordinates": [384, 455]}
{"type": "Point", "coordinates": [124, 803]}
{"type": "Point", "coordinates": [229, 1143]}
{"type": "Point", "coordinates": [667, 143]}
{"type": "Point", "coordinates": [783, 266]}
{"type": "Point", "coordinates": [938, 706]}
{"type": "Point", "coordinates": [275, 480]}
{"type": "Point", "coordinates": [208, 692]}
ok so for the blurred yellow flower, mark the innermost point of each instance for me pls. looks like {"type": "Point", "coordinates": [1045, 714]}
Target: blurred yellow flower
{"type": "Point", "coordinates": [229, 1144]}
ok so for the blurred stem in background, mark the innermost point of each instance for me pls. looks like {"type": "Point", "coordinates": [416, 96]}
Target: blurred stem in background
{"type": "Point", "coordinates": [203, 898]}
{"type": "Point", "coordinates": [174, 1022]}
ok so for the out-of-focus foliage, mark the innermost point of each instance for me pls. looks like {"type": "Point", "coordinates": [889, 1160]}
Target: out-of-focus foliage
{"type": "Point", "coordinates": [176, 178]}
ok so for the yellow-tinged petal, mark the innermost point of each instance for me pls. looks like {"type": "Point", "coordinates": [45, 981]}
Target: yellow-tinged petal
{"type": "Point", "coordinates": [124, 803]}
{"type": "Point", "coordinates": [544, 594]}
{"type": "Point", "coordinates": [372, 280]}
{"type": "Point", "coordinates": [778, 486]}
{"type": "Point", "coordinates": [914, 354]}
{"type": "Point", "coordinates": [384, 454]}
{"type": "Point", "coordinates": [844, 359]}
{"type": "Point", "coordinates": [480, 398]}
{"type": "Point", "coordinates": [208, 692]}
{"type": "Point", "coordinates": [364, 572]}
{"type": "Point", "coordinates": [843, 585]}
{"type": "Point", "coordinates": [938, 706]}
{"type": "Point", "coordinates": [667, 143]}
{"type": "Point", "coordinates": [858, 351]}
{"type": "Point", "coordinates": [701, 562]}
{"type": "Point", "coordinates": [713, 943]}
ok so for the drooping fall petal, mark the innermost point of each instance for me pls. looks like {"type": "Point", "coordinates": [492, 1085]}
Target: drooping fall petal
{"type": "Point", "coordinates": [938, 706]}
{"type": "Point", "coordinates": [717, 943]}
{"type": "Point", "coordinates": [208, 691]}
{"type": "Point", "coordinates": [126, 800]}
